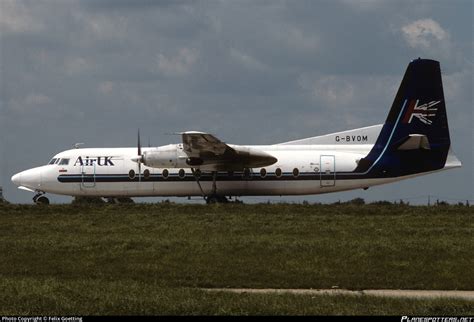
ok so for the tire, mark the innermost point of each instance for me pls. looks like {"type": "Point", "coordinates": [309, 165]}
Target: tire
{"type": "Point", "coordinates": [216, 199]}
{"type": "Point", "coordinates": [42, 201]}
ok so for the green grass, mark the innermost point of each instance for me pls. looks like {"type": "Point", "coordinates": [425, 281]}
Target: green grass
{"type": "Point", "coordinates": [151, 259]}
{"type": "Point", "coordinates": [126, 297]}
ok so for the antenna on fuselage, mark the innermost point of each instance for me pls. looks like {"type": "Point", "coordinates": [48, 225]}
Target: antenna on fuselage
{"type": "Point", "coordinates": [77, 145]}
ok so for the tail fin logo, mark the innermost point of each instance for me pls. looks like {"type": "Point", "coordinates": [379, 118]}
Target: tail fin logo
{"type": "Point", "coordinates": [424, 113]}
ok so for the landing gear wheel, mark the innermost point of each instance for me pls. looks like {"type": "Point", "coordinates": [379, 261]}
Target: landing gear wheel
{"type": "Point", "coordinates": [42, 201]}
{"type": "Point", "coordinates": [216, 199]}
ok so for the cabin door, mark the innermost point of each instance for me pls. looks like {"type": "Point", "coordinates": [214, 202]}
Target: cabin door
{"type": "Point", "coordinates": [88, 176]}
{"type": "Point", "coordinates": [328, 170]}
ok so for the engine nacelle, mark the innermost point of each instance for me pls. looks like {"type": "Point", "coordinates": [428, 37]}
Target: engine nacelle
{"type": "Point", "coordinates": [169, 156]}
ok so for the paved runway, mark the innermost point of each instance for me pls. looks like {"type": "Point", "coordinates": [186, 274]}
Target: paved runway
{"type": "Point", "coordinates": [429, 294]}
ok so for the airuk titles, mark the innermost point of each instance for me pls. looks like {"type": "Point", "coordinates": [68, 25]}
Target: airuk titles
{"type": "Point", "coordinates": [90, 161]}
{"type": "Point", "coordinates": [351, 138]}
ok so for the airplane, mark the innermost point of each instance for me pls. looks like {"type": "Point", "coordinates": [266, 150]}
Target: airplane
{"type": "Point", "coordinates": [413, 141]}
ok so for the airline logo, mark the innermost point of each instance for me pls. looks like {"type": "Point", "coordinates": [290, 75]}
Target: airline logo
{"type": "Point", "coordinates": [90, 161]}
{"type": "Point", "coordinates": [423, 113]}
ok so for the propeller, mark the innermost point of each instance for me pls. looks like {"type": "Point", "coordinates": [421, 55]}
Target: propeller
{"type": "Point", "coordinates": [139, 158]}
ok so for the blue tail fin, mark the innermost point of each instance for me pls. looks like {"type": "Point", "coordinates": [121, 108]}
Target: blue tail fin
{"type": "Point", "coordinates": [415, 136]}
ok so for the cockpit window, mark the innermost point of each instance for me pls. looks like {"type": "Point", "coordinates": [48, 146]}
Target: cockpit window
{"type": "Point", "coordinates": [53, 161]}
{"type": "Point", "coordinates": [64, 162]}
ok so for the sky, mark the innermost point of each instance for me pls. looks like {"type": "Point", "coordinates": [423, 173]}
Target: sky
{"type": "Point", "coordinates": [249, 72]}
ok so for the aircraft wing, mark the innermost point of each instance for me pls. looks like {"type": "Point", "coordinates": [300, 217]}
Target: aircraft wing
{"type": "Point", "coordinates": [199, 144]}
{"type": "Point", "coordinates": [206, 151]}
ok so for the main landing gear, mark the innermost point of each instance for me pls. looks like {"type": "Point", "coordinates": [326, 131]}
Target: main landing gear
{"type": "Point", "coordinates": [213, 197]}
{"type": "Point", "coordinates": [40, 199]}
{"type": "Point", "coordinates": [216, 199]}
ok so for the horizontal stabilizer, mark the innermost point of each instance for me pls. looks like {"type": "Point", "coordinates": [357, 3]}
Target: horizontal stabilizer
{"type": "Point", "coordinates": [414, 142]}
{"type": "Point", "coordinates": [452, 161]}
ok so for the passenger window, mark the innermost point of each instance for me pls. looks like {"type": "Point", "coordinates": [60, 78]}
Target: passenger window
{"type": "Point", "coordinates": [296, 172]}
{"type": "Point", "coordinates": [278, 172]}
{"type": "Point", "coordinates": [146, 174]}
{"type": "Point", "coordinates": [64, 162]}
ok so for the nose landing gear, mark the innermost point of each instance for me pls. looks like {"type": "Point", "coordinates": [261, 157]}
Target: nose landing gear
{"type": "Point", "coordinates": [40, 199]}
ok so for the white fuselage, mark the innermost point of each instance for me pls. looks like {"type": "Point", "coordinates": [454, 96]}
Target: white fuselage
{"type": "Point", "coordinates": [106, 172]}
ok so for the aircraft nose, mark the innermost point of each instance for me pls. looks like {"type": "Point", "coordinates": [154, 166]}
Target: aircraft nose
{"type": "Point", "coordinates": [29, 178]}
{"type": "Point", "coordinates": [16, 179]}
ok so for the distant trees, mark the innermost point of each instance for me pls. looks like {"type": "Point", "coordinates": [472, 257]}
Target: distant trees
{"type": "Point", "coordinates": [84, 200]}
{"type": "Point", "coordinates": [355, 201]}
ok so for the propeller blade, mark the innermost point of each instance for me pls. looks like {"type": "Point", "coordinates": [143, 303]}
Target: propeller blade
{"type": "Point", "coordinates": [140, 157]}
{"type": "Point", "coordinates": [138, 144]}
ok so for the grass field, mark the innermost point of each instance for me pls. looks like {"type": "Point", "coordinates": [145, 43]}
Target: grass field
{"type": "Point", "coordinates": [153, 259]}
